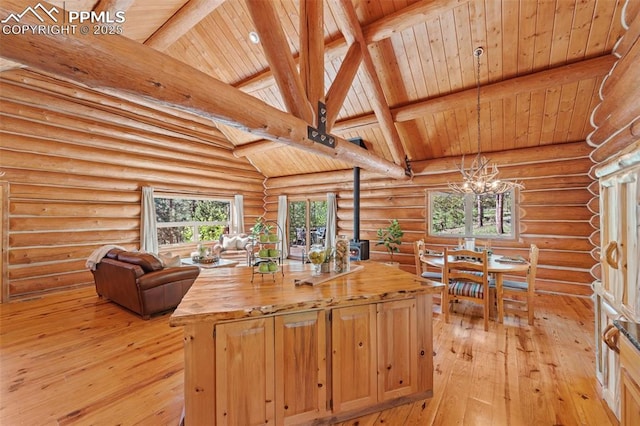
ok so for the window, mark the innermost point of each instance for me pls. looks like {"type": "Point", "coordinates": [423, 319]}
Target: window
{"type": "Point", "coordinates": [458, 215]}
{"type": "Point", "coordinates": [307, 225]}
{"type": "Point", "coordinates": [184, 221]}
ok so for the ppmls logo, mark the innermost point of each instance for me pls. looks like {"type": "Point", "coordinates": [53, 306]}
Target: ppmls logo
{"type": "Point", "coordinates": [34, 12]}
{"type": "Point", "coordinates": [72, 21]}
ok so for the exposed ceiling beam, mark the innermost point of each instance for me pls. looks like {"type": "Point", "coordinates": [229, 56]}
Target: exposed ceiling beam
{"type": "Point", "coordinates": [342, 83]}
{"type": "Point", "coordinates": [591, 68]}
{"type": "Point", "coordinates": [312, 50]}
{"type": "Point", "coordinates": [182, 21]}
{"type": "Point", "coordinates": [276, 50]}
{"type": "Point", "coordinates": [381, 29]}
{"type": "Point", "coordinates": [112, 6]}
{"type": "Point", "coordinates": [6, 65]}
{"type": "Point", "coordinates": [376, 31]}
{"type": "Point", "coordinates": [119, 65]}
{"type": "Point", "coordinates": [352, 31]}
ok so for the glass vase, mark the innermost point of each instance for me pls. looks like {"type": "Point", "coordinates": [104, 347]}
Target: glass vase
{"type": "Point", "coordinates": [316, 257]}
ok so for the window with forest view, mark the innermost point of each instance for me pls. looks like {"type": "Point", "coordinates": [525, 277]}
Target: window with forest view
{"type": "Point", "coordinates": [459, 215]}
{"type": "Point", "coordinates": [183, 221]}
{"type": "Point", "coordinates": [307, 223]}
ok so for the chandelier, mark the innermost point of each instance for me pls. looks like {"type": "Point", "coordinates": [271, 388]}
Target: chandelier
{"type": "Point", "coordinates": [481, 176]}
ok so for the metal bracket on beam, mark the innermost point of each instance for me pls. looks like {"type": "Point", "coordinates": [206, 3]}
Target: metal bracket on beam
{"type": "Point", "coordinates": [320, 134]}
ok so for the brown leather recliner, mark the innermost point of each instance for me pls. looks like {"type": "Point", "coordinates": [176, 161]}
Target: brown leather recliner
{"type": "Point", "coordinates": [140, 283]}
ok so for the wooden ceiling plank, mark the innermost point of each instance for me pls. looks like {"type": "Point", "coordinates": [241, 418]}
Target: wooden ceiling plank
{"type": "Point", "coordinates": [509, 60]}
{"type": "Point", "coordinates": [120, 65]}
{"type": "Point", "coordinates": [342, 83]}
{"type": "Point", "coordinates": [557, 76]}
{"type": "Point", "coordinates": [312, 50]}
{"type": "Point", "coordinates": [351, 29]}
{"type": "Point", "coordinates": [276, 50]}
{"type": "Point", "coordinates": [582, 18]}
{"type": "Point", "coordinates": [182, 21]}
{"type": "Point", "coordinates": [580, 126]}
{"type": "Point", "coordinates": [543, 34]}
{"type": "Point", "coordinates": [550, 115]}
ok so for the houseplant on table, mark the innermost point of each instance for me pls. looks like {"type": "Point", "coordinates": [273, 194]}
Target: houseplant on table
{"type": "Point", "coordinates": [391, 238]}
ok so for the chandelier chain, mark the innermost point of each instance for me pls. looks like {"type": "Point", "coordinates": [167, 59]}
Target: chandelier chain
{"type": "Point", "coordinates": [481, 177]}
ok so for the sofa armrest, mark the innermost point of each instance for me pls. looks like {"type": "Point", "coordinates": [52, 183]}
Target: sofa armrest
{"type": "Point", "coordinates": [168, 275]}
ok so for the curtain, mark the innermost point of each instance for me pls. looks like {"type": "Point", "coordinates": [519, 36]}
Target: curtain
{"type": "Point", "coordinates": [282, 223]}
{"type": "Point", "coordinates": [148, 229]}
{"type": "Point", "coordinates": [238, 212]}
{"type": "Point", "coordinates": [332, 213]}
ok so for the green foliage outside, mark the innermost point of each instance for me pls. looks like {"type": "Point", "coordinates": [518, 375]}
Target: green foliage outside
{"type": "Point", "coordinates": [448, 214]}
{"type": "Point", "coordinates": [174, 210]}
{"type": "Point", "coordinates": [298, 216]}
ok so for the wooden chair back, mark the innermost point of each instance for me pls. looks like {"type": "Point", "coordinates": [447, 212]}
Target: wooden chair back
{"type": "Point", "coordinates": [420, 250]}
{"type": "Point", "coordinates": [466, 277]}
{"type": "Point", "coordinates": [513, 290]}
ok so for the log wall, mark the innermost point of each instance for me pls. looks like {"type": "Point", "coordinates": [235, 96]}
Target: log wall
{"type": "Point", "coordinates": [553, 209]}
{"type": "Point", "coordinates": [74, 162]}
{"type": "Point", "coordinates": [616, 118]}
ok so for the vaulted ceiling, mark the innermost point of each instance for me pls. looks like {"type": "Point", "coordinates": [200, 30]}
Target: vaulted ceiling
{"type": "Point", "coordinates": [400, 74]}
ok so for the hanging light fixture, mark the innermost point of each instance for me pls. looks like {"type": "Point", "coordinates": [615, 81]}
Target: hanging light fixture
{"type": "Point", "coordinates": [481, 176]}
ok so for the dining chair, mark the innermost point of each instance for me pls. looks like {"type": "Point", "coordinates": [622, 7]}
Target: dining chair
{"type": "Point", "coordinates": [466, 277]}
{"type": "Point", "coordinates": [419, 250]}
{"type": "Point", "coordinates": [518, 296]}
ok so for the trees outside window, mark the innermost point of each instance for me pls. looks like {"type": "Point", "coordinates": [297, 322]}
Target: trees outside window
{"type": "Point", "coordinates": [184, 221]}
{"type": "Point", "coordinates": [307, 223]}
{"type": "Point", "coordinates": [458, 215]}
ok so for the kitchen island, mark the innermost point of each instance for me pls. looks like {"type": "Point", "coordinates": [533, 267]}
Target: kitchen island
{"type": "Point", "coordinates": [273, 352]}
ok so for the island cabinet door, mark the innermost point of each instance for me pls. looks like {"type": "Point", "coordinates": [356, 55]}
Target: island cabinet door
{"type": "Point", "coordinates": [245, 385]}
{"type": "Point", "coordinates": [353, 359]}
{"type": "Point", "coordinates": [301, 367]}
{"type": "Point", "coordinates": [397, 349]}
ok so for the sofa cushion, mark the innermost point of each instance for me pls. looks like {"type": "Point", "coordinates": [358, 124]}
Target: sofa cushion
{"type": "Point", "coordinates": [169, 260]}
{"type": "Point", "coordinates": [241, 242]}
{"type": "Point", "coordinates": [146, 261]}
{"type": "Point", "coordinates": [229, 243]}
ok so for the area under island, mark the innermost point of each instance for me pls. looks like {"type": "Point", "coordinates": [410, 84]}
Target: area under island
{"type": "Point", "coordinates": [273, 352]}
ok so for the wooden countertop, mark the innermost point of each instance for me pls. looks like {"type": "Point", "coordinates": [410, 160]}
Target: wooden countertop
{"type": "Point", "coordinates": [228, 294]}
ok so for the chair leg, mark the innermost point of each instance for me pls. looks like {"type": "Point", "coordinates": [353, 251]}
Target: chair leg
{"type": "Point", "coordinates": [445, 304]}
{"type": "Point", "coordinates": [486, 312]}
{"type": "Point", "coordinates": [530, 308]}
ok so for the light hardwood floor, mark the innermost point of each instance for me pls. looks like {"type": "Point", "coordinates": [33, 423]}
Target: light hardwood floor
{"type": "Point", "coordinates": [72, 358]}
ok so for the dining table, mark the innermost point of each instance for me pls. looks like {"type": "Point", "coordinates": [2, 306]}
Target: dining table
{"type": "Point", "coordinates": [498, 266]}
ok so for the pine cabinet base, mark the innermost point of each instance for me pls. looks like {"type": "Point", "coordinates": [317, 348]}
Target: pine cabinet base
{"type": "Point", "coordinates": [327, 358]}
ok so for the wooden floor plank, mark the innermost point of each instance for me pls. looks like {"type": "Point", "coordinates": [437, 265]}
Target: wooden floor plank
{"type": "Point", "coordinates": [71, 358]}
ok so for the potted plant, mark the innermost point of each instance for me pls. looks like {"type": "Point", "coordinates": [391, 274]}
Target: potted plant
{"type": "Point", "coordinates": [257, 228]}
{"type": "Point", "coordinates": [260, 230]}
{"type": "Point", "coordinates": [391, 238]}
